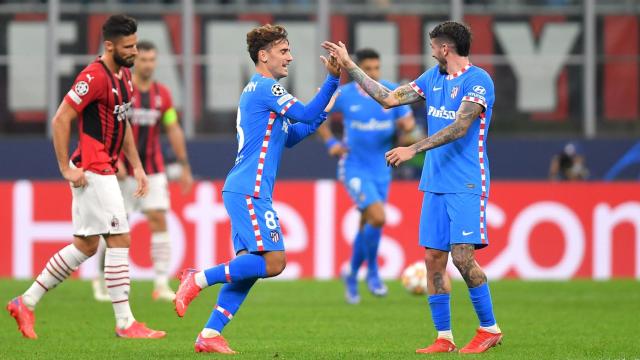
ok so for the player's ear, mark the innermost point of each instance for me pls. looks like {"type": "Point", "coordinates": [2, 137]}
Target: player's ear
{"type": "Point", "coordinates": [108, 45]}
{"type": "Point", "coordinates": [262, 56]}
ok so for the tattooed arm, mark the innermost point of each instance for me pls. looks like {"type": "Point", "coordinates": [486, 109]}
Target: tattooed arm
{"type": "Point", "coordinates": [387, 98]}
{"type": "Point", "coordinates": [466, 115]}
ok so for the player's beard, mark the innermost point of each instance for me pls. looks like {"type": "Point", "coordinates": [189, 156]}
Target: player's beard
{"type": "Point", "coordinates": [122, 61]}
{"type": "Point", "coordinates": [442, 67]}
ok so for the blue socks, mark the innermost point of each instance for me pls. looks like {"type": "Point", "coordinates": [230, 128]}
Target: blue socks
{"type": "Point", "coordinates": [243, 267]}
{"type": "Point", "coordinates": [359, 253]}
{"type": "Point", "coordinates": [372, 237]}
{"type": "Point", "coordinates": [481, 299]}
{"type": "Point", "coordinates": [440, 311]}
{"type": "Point", "coordinates": [230, 298]}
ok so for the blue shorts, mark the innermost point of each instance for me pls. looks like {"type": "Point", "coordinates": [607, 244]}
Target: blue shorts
{"type": "Point", "coordinates": [365, 191]}
{"type": "Point", "coordinates": [457, 218]}
{"type": "Point", "coordinates": [254, 223]}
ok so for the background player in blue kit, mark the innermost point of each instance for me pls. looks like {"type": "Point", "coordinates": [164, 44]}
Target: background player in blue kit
{"type": "Point", "coordinates": [369, 132]}
{"type": "Point", "coordinates": [455, 177]}
{"type": "Point", "coordinates": [264, 129]}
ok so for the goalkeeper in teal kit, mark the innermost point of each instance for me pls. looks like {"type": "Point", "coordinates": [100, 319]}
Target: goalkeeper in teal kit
{"type": "Point", "coordinates": [264, 127]}
{"type": "Point", "coordinates": [459, 101]}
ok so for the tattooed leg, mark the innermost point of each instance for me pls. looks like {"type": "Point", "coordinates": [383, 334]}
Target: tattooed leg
{"type": "Point", "coordinates": [464, 259]}
{"type": "Point", "coordinates": [437, 279]}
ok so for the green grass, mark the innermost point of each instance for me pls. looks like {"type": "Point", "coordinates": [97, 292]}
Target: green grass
{"type": "Point", "coordinates": [309, 320]}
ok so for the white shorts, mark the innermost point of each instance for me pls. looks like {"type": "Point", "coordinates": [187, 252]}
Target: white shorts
{"type": "Point", "coordinates": [157, 197]}
{"type": "Point", "coordinates": [98, 208]}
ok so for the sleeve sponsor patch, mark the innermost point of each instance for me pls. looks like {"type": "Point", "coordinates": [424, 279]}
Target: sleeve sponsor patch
{"type": "Point", "coordinates": [81, 88]}
{"type": "Point", "coordinates": [479, 90]}
{"type": "Point", "coordinates": [74, 97]}
{"type": "Point", "coordinates": [284, 99]}
{"type": "Point", "coordinates": [278, 90]}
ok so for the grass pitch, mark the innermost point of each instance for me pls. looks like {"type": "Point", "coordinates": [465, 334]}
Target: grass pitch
{"type": "Point", "coordinates": [310, 320]}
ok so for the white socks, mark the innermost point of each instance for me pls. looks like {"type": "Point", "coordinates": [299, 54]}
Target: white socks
{"type": "Point", "coordinates": [209, 333]}
{"type": "Point", "coordinates": [116, 276]}
{"type": "Point", "coordinates": [161, 258]}
{"type": "Point", "coordinates": [201, 280]}
{"type": "Point", "coordinates": [446, 334]}
{"type": "Point", "coordinates": [494, 329]}
{"type": "Point", "coordinates": [58, 268]}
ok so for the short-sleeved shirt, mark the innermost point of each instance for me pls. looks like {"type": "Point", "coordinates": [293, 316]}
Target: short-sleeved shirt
{"type": "Point", "coordinates": [262, 131]}
{"type": "Point", "coordinates": [369, 131]}
{"type": "Point", "coordinates": [461, 166]}
{"type": "Point", "coordinates": [102, 101]}
{"type": "Point", "coordinates": [149, 107]}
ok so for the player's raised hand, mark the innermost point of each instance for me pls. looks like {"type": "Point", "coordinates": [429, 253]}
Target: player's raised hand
{"type": "Point", "coordinates": [75, 176]}
{"type": "Point", "coordinates": [399, 155]}
{"type": "Point", "coordinates": [143, 183]}
{"type": "Point", "coordinates": [339, 51]}
{"type": "Point", "coordinates": [331, 64]}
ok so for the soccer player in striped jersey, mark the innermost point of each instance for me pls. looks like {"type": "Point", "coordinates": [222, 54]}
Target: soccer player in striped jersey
{"type": "Point", "coordinates": [369, 131]}
{"type": "Point", "coordinates": [264, 128]}
{"type": "Point", "coordinates": [100, 98]}
{"type": "Point", "coordinates": [152, 109]}
{"type": "Point", "coordinates": [455, 178]}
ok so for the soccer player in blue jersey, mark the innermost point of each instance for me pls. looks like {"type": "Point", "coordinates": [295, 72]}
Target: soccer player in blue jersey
{"type": "Point", "coordinates": [369, 132]}
{"type": "Point", "coordinates": [263, 130]}
{"type": "Point", "coordinates": [455, 177]}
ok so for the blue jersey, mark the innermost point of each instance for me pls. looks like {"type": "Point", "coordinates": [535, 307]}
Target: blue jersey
{"type": "Point", "coordinates": [262, 132]}
{"type": "Point", "coordinates": [369, 130]}
{"type": "Point", "coordinates": [461, 166]}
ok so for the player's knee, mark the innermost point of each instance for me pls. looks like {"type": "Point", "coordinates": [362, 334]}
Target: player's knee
{"type": "Point", "coordinates": [377, 220]}
{"type": "Point", "coordinates": [375, 215]}
{"type": "Point", "coordinates": [276, 264]}
{"type": "Point", "coordinates": [119, 241]}
{"type": "Point", "coordinates": [435, 260]}
{"type": "Point", "coordinates": [157, 221]}
{"type": "Point", "coordinates": [462, 259]}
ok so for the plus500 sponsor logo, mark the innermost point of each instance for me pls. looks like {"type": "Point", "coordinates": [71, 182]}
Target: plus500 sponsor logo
{"type": "Point", "coordinates": [442, 113]}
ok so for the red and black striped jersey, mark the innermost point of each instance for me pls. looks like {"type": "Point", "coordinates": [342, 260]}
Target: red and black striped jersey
{"type": "Point", "coordinates": [102, 101]}
{"type": "Point", "coordinates": [149, 107]}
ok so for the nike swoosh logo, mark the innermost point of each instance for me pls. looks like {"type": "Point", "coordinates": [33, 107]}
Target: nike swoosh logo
{"type": "Point", "coordinates": [464, 233]}
{"type": "Point", "coordinates": [437, 88]}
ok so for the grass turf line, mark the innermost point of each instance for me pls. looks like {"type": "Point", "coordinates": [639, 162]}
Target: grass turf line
{"type": "Point", "coordinates": [310, 320]}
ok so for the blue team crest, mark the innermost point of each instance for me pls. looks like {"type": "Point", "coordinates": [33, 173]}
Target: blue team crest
{"type": "Point", "coordinates": [275, 236]}
{"type": "Point", "coordinates": [454, 92]}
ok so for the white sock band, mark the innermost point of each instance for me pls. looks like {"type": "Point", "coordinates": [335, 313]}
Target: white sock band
{"type": "Point", "coordinates": [58, 268]}
{"type": "Point", "coordinates": [161, 257]}
{"type": "Point", "coordinates": [116, 277]}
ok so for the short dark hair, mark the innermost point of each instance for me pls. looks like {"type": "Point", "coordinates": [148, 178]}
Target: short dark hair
{"type": "Point", "coordinates": [455, 33]}
{"type": "Point", "coordinates": [145, 45]}
{"type": "Point", "coordinates": [366, 53]}
{"type": "Point", "coordinates": [117, 26]}
{"type": "Point", "coordinates": [263, 37]}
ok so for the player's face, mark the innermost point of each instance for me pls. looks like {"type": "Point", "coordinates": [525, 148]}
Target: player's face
{"type": "Point", "coordinates": [124, 50]}
{"type": "Point", "coordinates": [278, 58]}
{"type": "Point", "coordinates": [439, 52]}
{"type": "Point", "coordinates": [145, 64]}
{"type": "Point", "coordinates": [371, 67]}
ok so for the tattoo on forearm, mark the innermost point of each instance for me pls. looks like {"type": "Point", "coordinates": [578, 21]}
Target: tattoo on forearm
{"type": "Point", "coordinates": [466, 115]}
{"type": "Point", "coordinates": [372, 87]}
{"type": "Point", "coordinates": [406, 95]}
{"type": "Point", "coordinates": [464, 260]}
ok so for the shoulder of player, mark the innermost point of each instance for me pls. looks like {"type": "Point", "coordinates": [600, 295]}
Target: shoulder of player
{"type": "Point", "coordinates": [479, 73]}
{"type": "Point", "coordinates": [162, 88]}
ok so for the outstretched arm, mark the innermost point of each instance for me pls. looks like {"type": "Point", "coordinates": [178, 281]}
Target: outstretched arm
{"type": "Point", "coordinates": [387, 98]}
{"type": "Point", "coordinates": [466, 115]}
{"type": "Point", "coordinates": [299, 131]}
